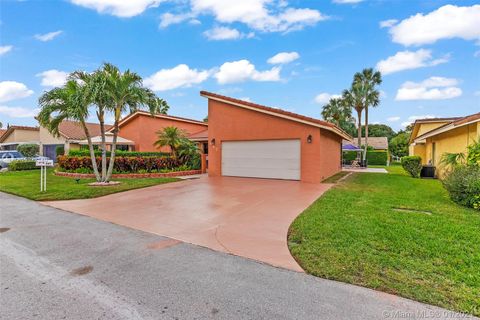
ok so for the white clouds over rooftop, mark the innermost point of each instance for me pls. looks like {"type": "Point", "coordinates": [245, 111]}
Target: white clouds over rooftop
{"type": "Point", "coordinates": [13, 90]}
{"type": "Point", "coordinates": [178, 77]}
{"type": "Point", "coordinates": [243, 70]}
{"type": "Point", "coordinates": [406, 60]}
{"type": "Point", "coordinates": [433, 88]}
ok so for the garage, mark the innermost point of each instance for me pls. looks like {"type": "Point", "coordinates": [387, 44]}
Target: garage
{"type": "Point", "coordinates": [273, 159]}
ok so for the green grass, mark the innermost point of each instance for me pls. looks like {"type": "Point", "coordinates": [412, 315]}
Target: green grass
{"type": "Point", "coordinates": [336, 177]}
{"type": "Point", "coordinates": [353, 234]}
{"type": "Point", "coordinates": [27, 184]}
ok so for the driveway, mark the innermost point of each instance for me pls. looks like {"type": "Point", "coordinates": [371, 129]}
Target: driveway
{"type": "Point", "coordinates": [241, 216]}
{"type": "Point", "coordinates": [58, 265]}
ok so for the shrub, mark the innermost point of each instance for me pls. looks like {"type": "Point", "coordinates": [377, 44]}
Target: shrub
{"type": "Point", "coordinates": [17, 165]}
{"type": "Point", "coordinates": [373, 157]}
{"type": "Point", "coordinates": [463, 185]}
{"type": "Point", "coordinates": [473, 157]}
{"type": "Point", "coordinates": [118, 153]}
{"type": "Point", "coordinates": [28, 150]}
{"type": "Point", "coordinates": [60, 150]}
{"type": "Point", "coordinates": [413, 165]}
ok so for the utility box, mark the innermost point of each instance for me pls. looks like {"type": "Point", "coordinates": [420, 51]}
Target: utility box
{"type": "Point", "coordinates": [428, 172]}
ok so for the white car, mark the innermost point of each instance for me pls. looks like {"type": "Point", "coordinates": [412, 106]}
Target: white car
{"type": "Point", "coordinates": [11, 155]}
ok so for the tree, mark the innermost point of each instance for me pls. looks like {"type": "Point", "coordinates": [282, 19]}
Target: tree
{"type": "Point", "coordinates": [379, 130]}
{"type": "Point", "coordinates": [336, 111]}
{"type": "Point", "coordinates": [122, 91]}
{"type": "Point", "coordinates": [172, 137]}
{"type": "Point", "coordinates": [353, 98]}
{"type": "Point", "coordinates": [69, 102]}
{"type": "Point", "coordinates": [398, 145]}
{"type": "Point", "coordinates": [367, 80]}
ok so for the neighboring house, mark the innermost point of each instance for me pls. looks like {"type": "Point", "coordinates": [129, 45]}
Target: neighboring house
{"type": "Point", "coordinates": [452, 135]}
{"type": "Point", "coordinates": [141, 127]}
{"type": "Point", "coordinates": [377, 143]}
{"type": "Point", "coordinates": [250, 140]}
{"type": "Point", "coordinates": [16, 135]}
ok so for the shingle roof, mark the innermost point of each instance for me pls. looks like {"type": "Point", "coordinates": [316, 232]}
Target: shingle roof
{"type": "Point", "coordinates": [73, 130]}
{"type": "Point", "coordinates": [162, 116]}
{"type": "Point", "coordinates": [451, 125]}
{"type": "Point", "coordinates": [10, 129]}
{"type": "Point", "coordinates": [2, 131]}
{"type": "Point", "coordinates": [377, 143]}
{"type": "Point", "coordinates": [303, 118]}
{"type": "Point", "coordinates": [199, 136]}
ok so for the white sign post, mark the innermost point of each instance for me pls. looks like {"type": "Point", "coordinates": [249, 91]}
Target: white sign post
{"type": "Point", "coordinates": [43, 164]}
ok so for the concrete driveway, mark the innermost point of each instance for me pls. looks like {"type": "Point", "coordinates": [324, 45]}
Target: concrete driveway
{"type": "Point", "coordinates": [241, 216]}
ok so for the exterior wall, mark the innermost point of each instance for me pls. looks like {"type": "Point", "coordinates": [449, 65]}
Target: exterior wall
{"type": "Point", "coordinates": [19, 135]}
{"type": "Point", "coordinates": [46, 137]}
{"type": "Point", "coordinates": [142, 130]}
{"type": "Point", "coordinates": [426, 127]}
{"type": "Point", "coordinates": [319, 159]}
{"type": "Point", "coordinates": [418, 150]}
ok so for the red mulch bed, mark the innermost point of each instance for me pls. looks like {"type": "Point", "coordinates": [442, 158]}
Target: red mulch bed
{"type": "Point", "coordinates": [131, 175]}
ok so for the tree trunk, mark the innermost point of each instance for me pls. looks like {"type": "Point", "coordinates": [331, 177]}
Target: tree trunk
{"type": "Point", "coordinates": [114, 145]}
{"type": "Point", "coordinates": [92, 152]}
{"type": "Point", "coordinates": [359, 129]}
{"type": "Point", "coordinates": [101, 118]}
{"type": "Point", "coordinates": [366, 134]}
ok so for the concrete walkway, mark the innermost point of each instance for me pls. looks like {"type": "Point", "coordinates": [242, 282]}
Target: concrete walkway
{"type": "Point", "coordinates": [241, 216]}
{"type": "Point", "coordinates": [368, 170]}
{"type": "Point", "coordinates": [59, 265]}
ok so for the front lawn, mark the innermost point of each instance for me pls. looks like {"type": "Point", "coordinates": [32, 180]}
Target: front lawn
{"type": "Point", "coordinates": [27, 184]}
{"type": "Point", "coordinates": [396, 234]}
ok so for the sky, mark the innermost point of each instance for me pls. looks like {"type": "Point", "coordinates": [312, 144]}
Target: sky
{"type": "Point", "coordinates": [293, 55]}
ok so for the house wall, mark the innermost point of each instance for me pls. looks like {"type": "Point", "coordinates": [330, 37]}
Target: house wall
{"type": "Point", "coordinates": [19, 135]}
{"type": "Point", "coordinates": [143, 131]}
{"type": "Point", "coordinates": [319, 159]}
{"type": "Point", "coordinates": [418, 150]}
{"type": "Point", "coordinates": [47, 138]}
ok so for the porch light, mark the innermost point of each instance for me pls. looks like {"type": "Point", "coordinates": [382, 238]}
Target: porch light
{"type": "Point", "coordinates": [212, 142]}
{"type": "Point", "coordinates": [309, 138]}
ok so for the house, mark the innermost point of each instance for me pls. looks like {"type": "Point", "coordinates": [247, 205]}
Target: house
{"type": "Point", "coordinates": [377, 143]}
{"type": "Point", "coordinates": [16, 135]}
{"type": "Point", "coordinates": [250, 140]}
{"type": "Point", "coordinates": [142, 127]}
{"type": "Point", "coordinates": [448, 135]}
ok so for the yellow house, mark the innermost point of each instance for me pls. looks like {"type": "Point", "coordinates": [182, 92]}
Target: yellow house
{"type": "Point", "coordinates": [431, 138]}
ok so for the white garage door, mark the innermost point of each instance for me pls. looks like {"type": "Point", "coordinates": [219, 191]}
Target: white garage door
{"type": "Point", "coordinates": [275, 159]}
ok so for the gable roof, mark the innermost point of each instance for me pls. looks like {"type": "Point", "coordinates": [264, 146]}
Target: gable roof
{"type": "Point", "coordinates": [278, 113]}
{"type": "Point", "coordinates": [377, 143]}
{"type": "Point", "coordinates": [159, 116]}
{"type": "Point", "coordinates": [10, 129]}
{"type": "Point", "coordinates": [72, 130]}
{"type": "Point", "coordinates": [459, 122]}
{"type": "Point", "coordinates": [418, 122]}
{"type": "Point", "coordinates": [2, 131]}
{"type": "Point", "coordinates": [199, 136]}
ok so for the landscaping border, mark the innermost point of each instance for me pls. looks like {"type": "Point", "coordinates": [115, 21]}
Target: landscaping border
{"type": "Point", "coordinates": [131, 175]}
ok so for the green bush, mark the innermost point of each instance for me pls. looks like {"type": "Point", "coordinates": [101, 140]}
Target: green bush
{"type": "Point", "coordinates": [120, 153]}
{"type": "Point", "coordinates": [376, 158]}
{"type": "Point", "coordinates": [413, 165]}
{"type": "Point", "coordinates": [60, 150]}
{"type": "Point", "coordinates": [17, 165]}
{"type": "Point", "coordinates": [28, 150]}
{"type": "Point", "coordinates": [463, 185]}
{"type": "Point", "coordinates": [473, 157]}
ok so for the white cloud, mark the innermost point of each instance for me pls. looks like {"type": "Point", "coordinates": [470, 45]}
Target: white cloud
{"type": "Point", "coordinates": [5, 49]}
{"type": "Point", "coordinates": [388, 23]}
{"type": "Point", "coordinates": [284, 57]}
{"type": "Point", "coordinates": [393, 119]}
{"type": "Point", "coordinates": [446, 22]}
{"type": "Point", "coordinates": [407, 60]}
{"type": "Point", "coordinates": [225, 33]}
{"type": "Point", "coordinates": [119, 8]}
{"type": "Point", "coordinates": [347, 1]}
{"type": "Point", "coordinates": [325, 97]}
{"type": "Point", "coordinates": [433, 88]}
{"type": "Point", "coordinates": [180, 76]}
{"type": "Point", "coordinates": [261, 15]}
{"type": "Point", "coordinates": [12, 90]}
{"type": "Point", "coordinates": [412, 119]}
{"type": "Point", "coordinates": [18, 112]}
{"type": "Point", "coordinates": [48, 36]}
{"type": "Point", "coordinates": [53, 78]}
{"type": "Point", "coordinates": [243, 70]}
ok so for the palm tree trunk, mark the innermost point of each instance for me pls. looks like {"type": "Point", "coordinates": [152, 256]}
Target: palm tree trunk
{"type": "Point", "coordinates": [112, 152]}
{"type": "Point", "coordinates": [366, 134]}
{"type": "Point", "coordinates": [104, 146]}
{"type": "Point", "coordinates": [359, 129]}
{"type": "Point", "coordinates": [92, 152]}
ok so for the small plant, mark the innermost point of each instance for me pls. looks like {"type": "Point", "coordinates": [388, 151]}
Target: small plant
{"type": "Point", "coordinates": [60, 150]}
{"type": "Point", "coordinates": [28, 150]}
{"type": "Point", "coordinates": [413, 165]}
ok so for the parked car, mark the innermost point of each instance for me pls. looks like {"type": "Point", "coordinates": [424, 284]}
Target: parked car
{"type": "Point", "coordinates": [10, 155]}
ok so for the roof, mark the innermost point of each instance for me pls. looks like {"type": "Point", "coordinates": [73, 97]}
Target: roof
{"type": "Point", "coordinates": [73, 130]}
{"type": "Point", "coordinates": [10, 129]}
{"type": "Point", "coordinates": [416, 127]}
{"type": "Point", "coordinates": [429, 120]}
{"type": "Point", "coordinates": [199, 136]}
{"type": "Point", "coordinates": [278, 112]}
{"type": "Point", "coordinates": [458, 122]}
{"type": "Point", "coordinates": [108, 140]}
{"type": "Point", "coordinates": [2, 131]}
{"type": "Point", "coordinates": [160, 116]}
{"type": "Point", "coordinates": [378, 143]}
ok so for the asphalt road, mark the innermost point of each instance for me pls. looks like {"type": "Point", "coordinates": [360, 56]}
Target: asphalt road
{"type": "Point", "coordinates": [59, 265]}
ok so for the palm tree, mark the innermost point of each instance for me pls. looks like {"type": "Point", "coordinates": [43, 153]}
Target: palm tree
{"type": "Point", "coordinates": [69, 102]}
{"type": "Point", "coordinates": [122, 91]}
{"type": "Point", "coordinates": [172, 137]}
{"type": "Point", "coordinates": [353, 98]}
{"type": "Point", "coordinates": [336, 111]}
{"type": "Point", "coordinates": [367, 80]}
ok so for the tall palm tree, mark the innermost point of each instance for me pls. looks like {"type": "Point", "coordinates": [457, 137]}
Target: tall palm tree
{"type": "Point", "coordinates": [368, 79]}
{"type": "Point", "coordinates": [336, 111]}
{"type": "Point", "coordinates": [172, 137]}
{"type": "Point", "coordinates": [124, 91]}
{"type": "Point", "coordinates": [69, 102]}
{"type": "Point", "coordinates": [353, 98]}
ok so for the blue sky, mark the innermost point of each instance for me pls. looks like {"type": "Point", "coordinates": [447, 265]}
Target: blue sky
{"type": "Point", "coordinates": [428, 51]}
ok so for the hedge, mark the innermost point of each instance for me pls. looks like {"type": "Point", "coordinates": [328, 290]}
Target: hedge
{"type": "Point", "coordinates": [28, 150]}
{"type": "Point", "coordinates": [376, 158]}
{"type": "Point", "coordinates": [122, 164]}
{"type": "Point", "coordinates": [118, 153]}
{"type": "Point", "coordinates": [17, 165]}
{"type": "Point", "coordinates": [463, 185]}
{"type": "Point", "coordinates": [413, 165]}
